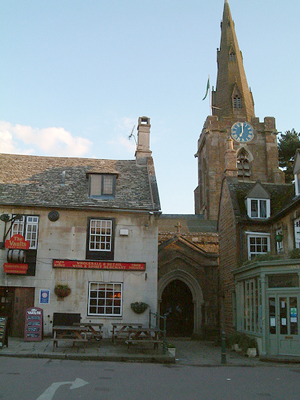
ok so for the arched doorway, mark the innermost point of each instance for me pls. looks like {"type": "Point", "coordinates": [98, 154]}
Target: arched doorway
{"type": "Point", "coordinates": [177, 303]}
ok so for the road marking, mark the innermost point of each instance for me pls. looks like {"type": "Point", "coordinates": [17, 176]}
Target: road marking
{"type": "Point", "coordinates": [49, 393]}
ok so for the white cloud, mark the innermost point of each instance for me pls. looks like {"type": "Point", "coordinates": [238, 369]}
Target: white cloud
{"type": "Point", "coordinates": [120, 141]}
{"type": "Point", "coordinates": [20, 139]}
{"type": "Point", "coordinates": [124, 143]}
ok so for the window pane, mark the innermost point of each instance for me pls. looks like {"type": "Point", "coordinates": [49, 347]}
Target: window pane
{"type": "Point", "coordinates": [297, 233]}
{"type": "Point", "coordinates": [108, 185]}
{"type": "Point", "coordinates": [100, 235]}
{"type": "Point", "coordinates": [272, 315]}
{"type": "Point", "coordinates": [293, 316]}
{"type": "Point", "coordinates": [109, 299]}
{"type": "Point", "coordinates": [258, 245]}
{"type": "Point", "coordinates": [18, 227]}
{"type": "Point", "coordinates": [31, 231]}
{"type": "Point", "coordinates": [283, 315]}
{"type": "Point", "coordinates": [283, 280]}
{"type": "Point", "coordinates": [263, 209]}
{"type": "Point", "coordinates": [254, 208]}
{"type": "Point", "coordinates": [95, 185]}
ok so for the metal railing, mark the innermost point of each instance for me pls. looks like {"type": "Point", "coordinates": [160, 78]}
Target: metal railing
{"type": "Point", "coordinates": [155, 321]}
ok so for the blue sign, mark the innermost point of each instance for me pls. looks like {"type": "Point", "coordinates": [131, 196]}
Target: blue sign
{"type": "Point", "coordinates": [44, 296]}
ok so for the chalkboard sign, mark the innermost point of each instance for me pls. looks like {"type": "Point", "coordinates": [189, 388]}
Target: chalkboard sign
{"type": "Point", "coordinates": [33, 324]}
{"type": "Point", "coordinates": [3, 332]}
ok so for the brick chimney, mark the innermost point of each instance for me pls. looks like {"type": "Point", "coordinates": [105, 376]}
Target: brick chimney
{"type": "Point", "coordinates": [143, 139]}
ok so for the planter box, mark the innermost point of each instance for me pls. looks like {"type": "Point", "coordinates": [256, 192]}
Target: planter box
{"type": "Point", "coordinates": [237, 348]}
{"type": "Point", "coordinates": [172, 351]}
{"type": "Point", "coordinates": [252, 352]}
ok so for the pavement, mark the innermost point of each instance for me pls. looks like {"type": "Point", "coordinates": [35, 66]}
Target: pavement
{"type": "Point", "coordinates": [188, 352]}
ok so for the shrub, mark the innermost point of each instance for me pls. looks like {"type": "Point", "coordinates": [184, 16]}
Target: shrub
{"type": "Point", "coordinates": [244, 341]}
{"type": "Point", "coordinates": [294, 254]}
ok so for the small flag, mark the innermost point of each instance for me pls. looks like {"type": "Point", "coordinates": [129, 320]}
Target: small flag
{"type": "Point", "coordinates": [207, 89]}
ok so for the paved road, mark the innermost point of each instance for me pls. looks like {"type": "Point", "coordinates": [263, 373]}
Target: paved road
{"type": "Point", "coordinates": [42, 379]}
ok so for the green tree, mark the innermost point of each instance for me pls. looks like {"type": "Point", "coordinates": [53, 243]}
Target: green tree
{"type": "Point", "coordinates": [288, 143]}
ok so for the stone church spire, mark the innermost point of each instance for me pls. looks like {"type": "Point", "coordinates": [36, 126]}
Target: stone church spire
{"type": "Point", "coordinates": [232, 97]}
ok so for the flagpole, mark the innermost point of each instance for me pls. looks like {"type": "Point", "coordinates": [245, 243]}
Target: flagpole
{"type": "Point", "coordinates": [210, 97]}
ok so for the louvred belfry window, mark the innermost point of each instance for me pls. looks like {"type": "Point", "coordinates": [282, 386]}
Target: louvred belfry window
{"type": "Point", "coordinates": [237, 102]}
{"type": "Point", "coordinates": [243, 165]}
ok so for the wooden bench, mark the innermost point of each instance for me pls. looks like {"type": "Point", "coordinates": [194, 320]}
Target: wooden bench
{"type": "Point", "coordinates": [93, 333]}
{"type": "Point", "coordinates": [143, 341]}
{"type": "Point", "coordinates": [69, 340]}
{"type": "Point", "coordinates": [121, 330]}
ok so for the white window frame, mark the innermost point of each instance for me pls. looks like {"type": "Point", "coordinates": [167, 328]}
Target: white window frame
{"type": "Point", "coordinates": [279, 245]}
{"type": "Point", "coordinates": [259, 208]}
{"type": "Point", "coordinates": [257, 235]}
{"type": "Point", "coordinates": [297, 233]}
{"type": "Point", "coordinates": [28, 227]}
{"type": "Point", "coordinates": [297, 183]}
{"type": "Point", "coordinates": [252, 305]}
{"type": "Point", "coordinates": [105, 299]}
{"type": "Point", "coordinates": [100, 235]}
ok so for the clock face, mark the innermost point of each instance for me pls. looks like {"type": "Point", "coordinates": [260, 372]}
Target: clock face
{"type": "Point", "coordinates": [242, 132]}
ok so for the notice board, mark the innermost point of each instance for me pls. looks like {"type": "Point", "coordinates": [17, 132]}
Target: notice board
{"type": "Point", "coordinates": [3, 332]}
{"type": "Point", "coordinates": [33, 324]}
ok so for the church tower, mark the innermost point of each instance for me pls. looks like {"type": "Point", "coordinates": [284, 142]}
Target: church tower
{"type": "Point", "coordinates": [233, 129]}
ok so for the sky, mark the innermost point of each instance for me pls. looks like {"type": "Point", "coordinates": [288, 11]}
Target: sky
{"type": "Point", "coordinates": [75, 76]}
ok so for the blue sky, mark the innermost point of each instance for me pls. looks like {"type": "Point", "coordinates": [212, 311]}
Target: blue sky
{"type": "Point", "coordinates": [75, 75]}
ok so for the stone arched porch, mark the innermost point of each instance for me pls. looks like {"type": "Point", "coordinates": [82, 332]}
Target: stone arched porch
{"type": "Point", "coordinates": [180, 259]}
{"type": "Point", "coordinates": [195, 289]}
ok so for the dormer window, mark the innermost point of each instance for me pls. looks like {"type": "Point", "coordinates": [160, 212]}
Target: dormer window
{"type": "Point", "coordinates": [258, 208]}
{"type": "Point", "coordinates": [102, 185]}
{"type": "Point", "coordinates": [258, 202]}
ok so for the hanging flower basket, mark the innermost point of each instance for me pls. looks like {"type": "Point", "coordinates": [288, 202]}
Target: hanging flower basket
{"type": "Point", "coordinates": [62, 291]}
{"type": "Point", "coordinates": [279, 238]}
{"type": "Point", "coordinates": [139, 307]}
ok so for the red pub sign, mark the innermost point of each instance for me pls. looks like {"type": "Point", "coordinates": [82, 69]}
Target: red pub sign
{"type": "Point", "coordinates": [123, 266]}
{"type": "Point", "coordinates": [10, 268]}
{"type": "Point", "coordinates": [17, 242]}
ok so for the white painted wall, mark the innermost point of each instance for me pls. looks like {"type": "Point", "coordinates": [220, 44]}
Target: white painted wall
{"type": "Point", "coordinates": [66, 239]}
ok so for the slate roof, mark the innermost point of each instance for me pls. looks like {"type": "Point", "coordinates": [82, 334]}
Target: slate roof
{"type": "Point", "coordinates": [189, 223]}
{"type": "Point", "coordinates": [63, 182]}
{"type": "Point", "coordinates": [282, 196]}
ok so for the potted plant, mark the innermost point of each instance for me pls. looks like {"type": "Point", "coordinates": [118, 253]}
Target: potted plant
{"type": "Point", "coordinates": [62, 290]}
{"type": "Point", "coordinates": [252, 348]}
{"type": "Point", "coordinates": [171, 349]}
{"type": "Point", "coordinates": [233, 341]}
{"type": "Point", "coordinates": [139, 307]}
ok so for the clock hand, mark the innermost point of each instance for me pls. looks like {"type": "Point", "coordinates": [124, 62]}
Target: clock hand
{"type": "Point", "coordinates": [242, 125]}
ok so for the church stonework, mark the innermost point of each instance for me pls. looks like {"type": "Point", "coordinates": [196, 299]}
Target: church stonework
{"type": "Point", "coordinates": [254, 142]}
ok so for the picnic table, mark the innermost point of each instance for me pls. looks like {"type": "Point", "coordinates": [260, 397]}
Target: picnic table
{"type": "Point", "coordinates": [94, 329]}
{"type": "Point", "coordinates": [121, 330]}
{"type": "Point", "coordinates": [142, 335]}
{"type": "Point", "coordinates": [70, 334]}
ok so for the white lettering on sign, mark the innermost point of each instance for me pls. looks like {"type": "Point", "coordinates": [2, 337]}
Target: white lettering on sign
{"type": "Point", "coordinates": [34, 312]}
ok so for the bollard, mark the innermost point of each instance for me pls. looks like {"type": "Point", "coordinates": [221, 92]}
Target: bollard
{"type": "Point", "coordinates": [223, 348]}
